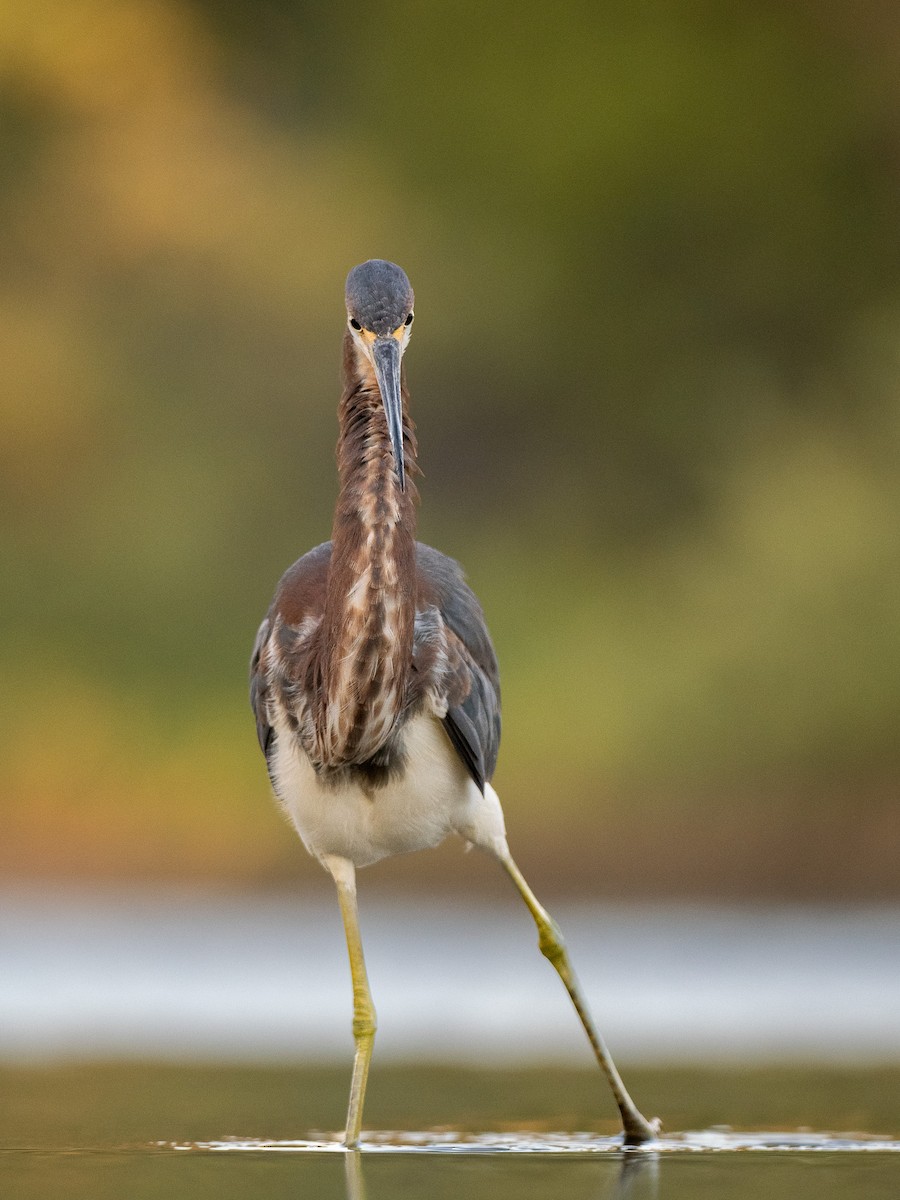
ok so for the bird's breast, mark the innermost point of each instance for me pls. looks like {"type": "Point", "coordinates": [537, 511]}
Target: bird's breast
{"type": "Point", "coordinates": [341, 698]}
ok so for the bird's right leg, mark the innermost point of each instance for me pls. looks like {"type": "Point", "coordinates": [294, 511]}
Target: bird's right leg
{"type": "Point", "coordinates": [636, 1127]}
{"type": "Point", "coordinates": [364, 1022]}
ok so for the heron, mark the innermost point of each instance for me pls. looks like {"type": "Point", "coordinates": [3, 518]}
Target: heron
{"type": "Point", "coordinates": [374, 680]}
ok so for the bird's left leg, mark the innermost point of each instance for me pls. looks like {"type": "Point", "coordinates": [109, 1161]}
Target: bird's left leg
{"type": "Point", "coordinates": [637, 1128]}
{"type": "Point", "coordinates": [364, 1022]}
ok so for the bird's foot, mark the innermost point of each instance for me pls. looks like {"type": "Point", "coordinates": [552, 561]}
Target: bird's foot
{"type": "Point", "coordinates": [638, 1130]}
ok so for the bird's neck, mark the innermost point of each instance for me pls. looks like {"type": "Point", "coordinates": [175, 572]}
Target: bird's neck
{"type": "Point", "coordinates": [370, 599]}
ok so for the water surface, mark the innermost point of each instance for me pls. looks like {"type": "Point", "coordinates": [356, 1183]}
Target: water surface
{"type": "Point", "coordinates": [175, 1045]}
{"type": "Point", "coordinates": [200, 1132]}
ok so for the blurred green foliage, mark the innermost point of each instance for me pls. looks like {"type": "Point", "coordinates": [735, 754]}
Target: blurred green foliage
{"type": "Point", "coordinates": [655, 375]}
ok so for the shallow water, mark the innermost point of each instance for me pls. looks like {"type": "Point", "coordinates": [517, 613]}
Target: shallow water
{"type": "Point", "coordinates": [198, 1133]}
{"type": "Point", "coordinates": [695, 1177]}
{"type": "Point", "coordinates": [244, 981]}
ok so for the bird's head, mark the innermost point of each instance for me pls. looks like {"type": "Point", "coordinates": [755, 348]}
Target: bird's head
{"type": "Point", "coordinates": [379, 318]}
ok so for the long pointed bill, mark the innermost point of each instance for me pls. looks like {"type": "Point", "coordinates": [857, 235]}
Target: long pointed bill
{"type": "Point", "coordinates": [386, 357]}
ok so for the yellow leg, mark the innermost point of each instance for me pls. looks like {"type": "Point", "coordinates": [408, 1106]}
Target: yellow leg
{"type": "Point", "coordinates": [364, 1022]}
{"type": "Point", "coordinates": [637, 1128]}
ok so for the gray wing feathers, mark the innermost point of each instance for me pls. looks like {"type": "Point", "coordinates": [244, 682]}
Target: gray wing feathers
{"type": "Point", "coordinates": [473, 711]}
{"type": "Point", "coordinates": [258, 690]}
{"type": "Point", "coordinates": [474, 729]}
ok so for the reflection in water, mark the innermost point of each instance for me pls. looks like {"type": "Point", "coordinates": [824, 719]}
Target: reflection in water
{"type": "Point", "coordinates": [638, 1177]}
{"type": "Point", "coordinates": [353, 1172]}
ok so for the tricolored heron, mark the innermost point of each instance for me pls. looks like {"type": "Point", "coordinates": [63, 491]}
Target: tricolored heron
{"type": "Point", "coordinates": [374, 681]}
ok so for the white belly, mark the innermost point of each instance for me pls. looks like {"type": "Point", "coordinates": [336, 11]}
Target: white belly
{"type": "Point", "coordinates": [433, 797]}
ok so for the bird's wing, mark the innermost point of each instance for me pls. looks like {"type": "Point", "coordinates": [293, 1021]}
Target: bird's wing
{"type": "Point", "coordinates": [298, 597]}
{"type": "Point", "coordinates": [258, 688]}
{"type": "Point", "coordinates": [469, 680]}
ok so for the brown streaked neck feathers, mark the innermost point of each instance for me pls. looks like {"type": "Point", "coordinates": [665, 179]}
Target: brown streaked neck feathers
{"type": "Point", "coordinates": [367, 628]}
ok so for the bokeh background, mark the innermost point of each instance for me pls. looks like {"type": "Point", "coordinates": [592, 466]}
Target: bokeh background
{"type": "Point", "coordinates": [655, 371]}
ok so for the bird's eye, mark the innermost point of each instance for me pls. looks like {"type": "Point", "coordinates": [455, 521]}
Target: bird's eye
{"type": "Point", "coordinates": [354, 324]}
{"type": "Point", "coordinates": [409, 319]}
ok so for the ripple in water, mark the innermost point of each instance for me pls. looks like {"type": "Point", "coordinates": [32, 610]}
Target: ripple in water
{"type": "Point", "coordinates": [715, 1140]}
